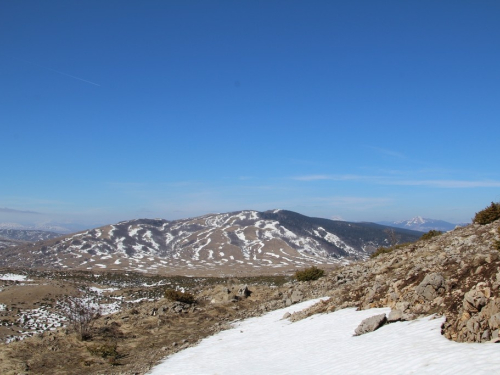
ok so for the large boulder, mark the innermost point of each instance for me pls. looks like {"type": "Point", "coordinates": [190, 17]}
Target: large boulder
{"type": "Point", "coordinates": [432, 286]}
{"type": "Point", "coordinates": [370, 324]}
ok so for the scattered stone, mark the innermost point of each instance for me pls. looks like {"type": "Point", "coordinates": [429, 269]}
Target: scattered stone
{"type": "Point", "coordinates": [370, 324]}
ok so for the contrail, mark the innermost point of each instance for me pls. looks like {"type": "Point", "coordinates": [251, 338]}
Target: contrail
{"type": "Point", "coordinates": [56, 71]}
{"type": "Point", "coordinates": [69, 75]}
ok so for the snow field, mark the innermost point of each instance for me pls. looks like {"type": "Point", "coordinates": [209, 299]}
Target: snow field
{"type": "Point", "coordinates": [324, 344]}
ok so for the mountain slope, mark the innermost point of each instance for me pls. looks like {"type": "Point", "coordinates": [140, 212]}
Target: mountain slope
{"type": "Point", "coordinates": [243, 241]}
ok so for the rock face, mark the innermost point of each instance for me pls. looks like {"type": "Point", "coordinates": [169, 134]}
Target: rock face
{"type": "Point", "coordinates": [370, 324]}
{"type": "Point", "coordinates": [455, 274]}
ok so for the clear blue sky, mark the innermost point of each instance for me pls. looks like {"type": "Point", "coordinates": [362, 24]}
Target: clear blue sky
{"type": "Point", "coordinates": [364, 110]}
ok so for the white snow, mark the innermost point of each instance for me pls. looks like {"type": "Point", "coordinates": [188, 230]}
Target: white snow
{"type": "Point", "coordinates": [13, 277]}
{"type": "Point", "coordinates": [324, 344]}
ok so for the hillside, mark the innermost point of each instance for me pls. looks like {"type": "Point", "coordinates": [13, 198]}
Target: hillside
{"type": "Point", "coordinates": [454, 275]}
{"type": "Point", "coordinates": [232, 243]}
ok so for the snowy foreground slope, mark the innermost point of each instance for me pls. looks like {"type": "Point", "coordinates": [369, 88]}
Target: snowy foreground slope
{"type": "Point", "coordinates": [324, 344]}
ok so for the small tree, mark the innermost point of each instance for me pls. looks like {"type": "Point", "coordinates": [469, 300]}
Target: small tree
{"type": "Point", "coordinates": [488, 215]}
{"type": "Point", "coordinates": [430, 234]}
{"type": "Point", "coordinates": [81, 314]}
{"type": "Point", "coordinates": [392, 237]}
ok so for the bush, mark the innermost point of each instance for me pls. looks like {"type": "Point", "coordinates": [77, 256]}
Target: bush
{"type": "Point", "coordinates": [381, 250]}
{"type": "Point", "coordinates": [81, 313]}
{"type": "Point", "coordinates": [430, 234]}
{"type": "Point", "coordinates": [175, 295]}
{"type": "Point", "coordinates": [488, 215]}
{"type": "Point", "coordinates": [311, 273]}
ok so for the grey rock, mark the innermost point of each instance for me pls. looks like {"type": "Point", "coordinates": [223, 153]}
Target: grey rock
{"type": "Point", "coordinates": [395, 316]}
{"type": "Point", "coordinates": [370, 324]}
{"type": "Point", "coordinates": [432, 285]}
{"type": "Point", "coordinates": [474, 301]}
{"type": "Point", "coordinates": [296, 296]}
{"type": "Point", "coordinates": [494, 321]}
{"type": "Point", "coordinates": [287, 315]}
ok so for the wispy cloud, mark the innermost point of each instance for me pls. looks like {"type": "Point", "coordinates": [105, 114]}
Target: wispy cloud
{"type": "Point", "coordinates": [387, 152]}
{"type": "Point", "coordinates": [390, 180]}
{"type": "Point", "coordinates": [450, 184]}
{"type": "Point", "coordinates": [319, 177]}
{"type": "Point", "coordinates": [13, 211]}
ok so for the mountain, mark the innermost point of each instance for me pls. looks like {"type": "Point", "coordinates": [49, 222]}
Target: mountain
{"type": "Point", "coordinates": [421, 224]}
{"type": "Point", "coordinates": [237, 242]}
{"type": "Point", "coordinates": [8, 242]}
{"type": "Point", "coordinates": [27, 235]}
{"type": "Point", "coordinates": [46, 227]}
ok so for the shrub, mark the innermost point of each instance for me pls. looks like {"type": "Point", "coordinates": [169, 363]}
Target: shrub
{"type": "Point", "coordinates": [430, 234]}
{"type": "Point", "coordinates": [311, 273]}
{"type": "Point", "coordinates": [488, 215]}
{"type": "Point", "coordinates": [107, 351]}
{"type": "Point", "coordinates": [81, 314]}
{"type": "Point", "coordinates": [381, 250]}
{"type": "Point", "coordinates": [175, 295]}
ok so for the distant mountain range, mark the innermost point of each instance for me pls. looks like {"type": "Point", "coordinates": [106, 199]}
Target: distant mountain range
{"type": "Point", "coordinates": [229, 243]}
{"type": "Point", "coordinates": [47, 227]}
{"type": "Point", "coordinates": [27, 235]}
{"type": "Point", "coordinates": [421, 224]}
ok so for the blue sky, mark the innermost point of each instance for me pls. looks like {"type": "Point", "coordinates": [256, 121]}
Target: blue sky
{"type": "Point", "coordinates": [364, 110]}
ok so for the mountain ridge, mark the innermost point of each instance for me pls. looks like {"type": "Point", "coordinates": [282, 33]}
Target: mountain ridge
{"type": "Point", "coordinates": [422, 224]}
{"type": "Point", "coordinates": [240, 241]}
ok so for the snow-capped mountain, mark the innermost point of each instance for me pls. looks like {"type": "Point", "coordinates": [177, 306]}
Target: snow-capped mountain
{"type": "Point", "coordinates": [231, 242]}
{"type": "Point", "coordinates": [421, 224]}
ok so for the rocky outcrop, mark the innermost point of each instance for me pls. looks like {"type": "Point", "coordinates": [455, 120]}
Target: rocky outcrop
{"type": "Point", "coordinates": [454, 274]}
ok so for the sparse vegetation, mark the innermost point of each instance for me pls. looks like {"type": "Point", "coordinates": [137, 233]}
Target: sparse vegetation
{"type": "Point", "coordinates": [385, 250]}
{"type": "Point", "coordinates": [496, 244]}
{"type": "Point", "coordinates": [488, 215]}
{"type": "Point", "coordinates": [430, 234]}
{"type": "Point", "coordinates": [107, 351]}
{"type": "Point", "coordinates": [311, 273]}
{"type": "Point", "coordinates": [81, 314]}
{"type": "Point", "coordinates": [175, 295]}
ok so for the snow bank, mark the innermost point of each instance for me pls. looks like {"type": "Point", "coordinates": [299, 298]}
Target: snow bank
{"type": "Point", "coordinates": [324, 344]}
{"type": "Point", "coordinates": [13, 277]}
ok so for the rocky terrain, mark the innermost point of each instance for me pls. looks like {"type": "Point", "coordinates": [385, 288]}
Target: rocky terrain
{"type": "Point", "coordinates": [238, 243]}
{"type": "Point", "coordinates": [455, 274]}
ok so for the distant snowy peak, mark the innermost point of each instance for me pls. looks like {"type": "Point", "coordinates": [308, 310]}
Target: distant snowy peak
{"type": "Point", "coordinates": [421, 224]}
{"type": "Point", "coordinates": [417, 220]}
